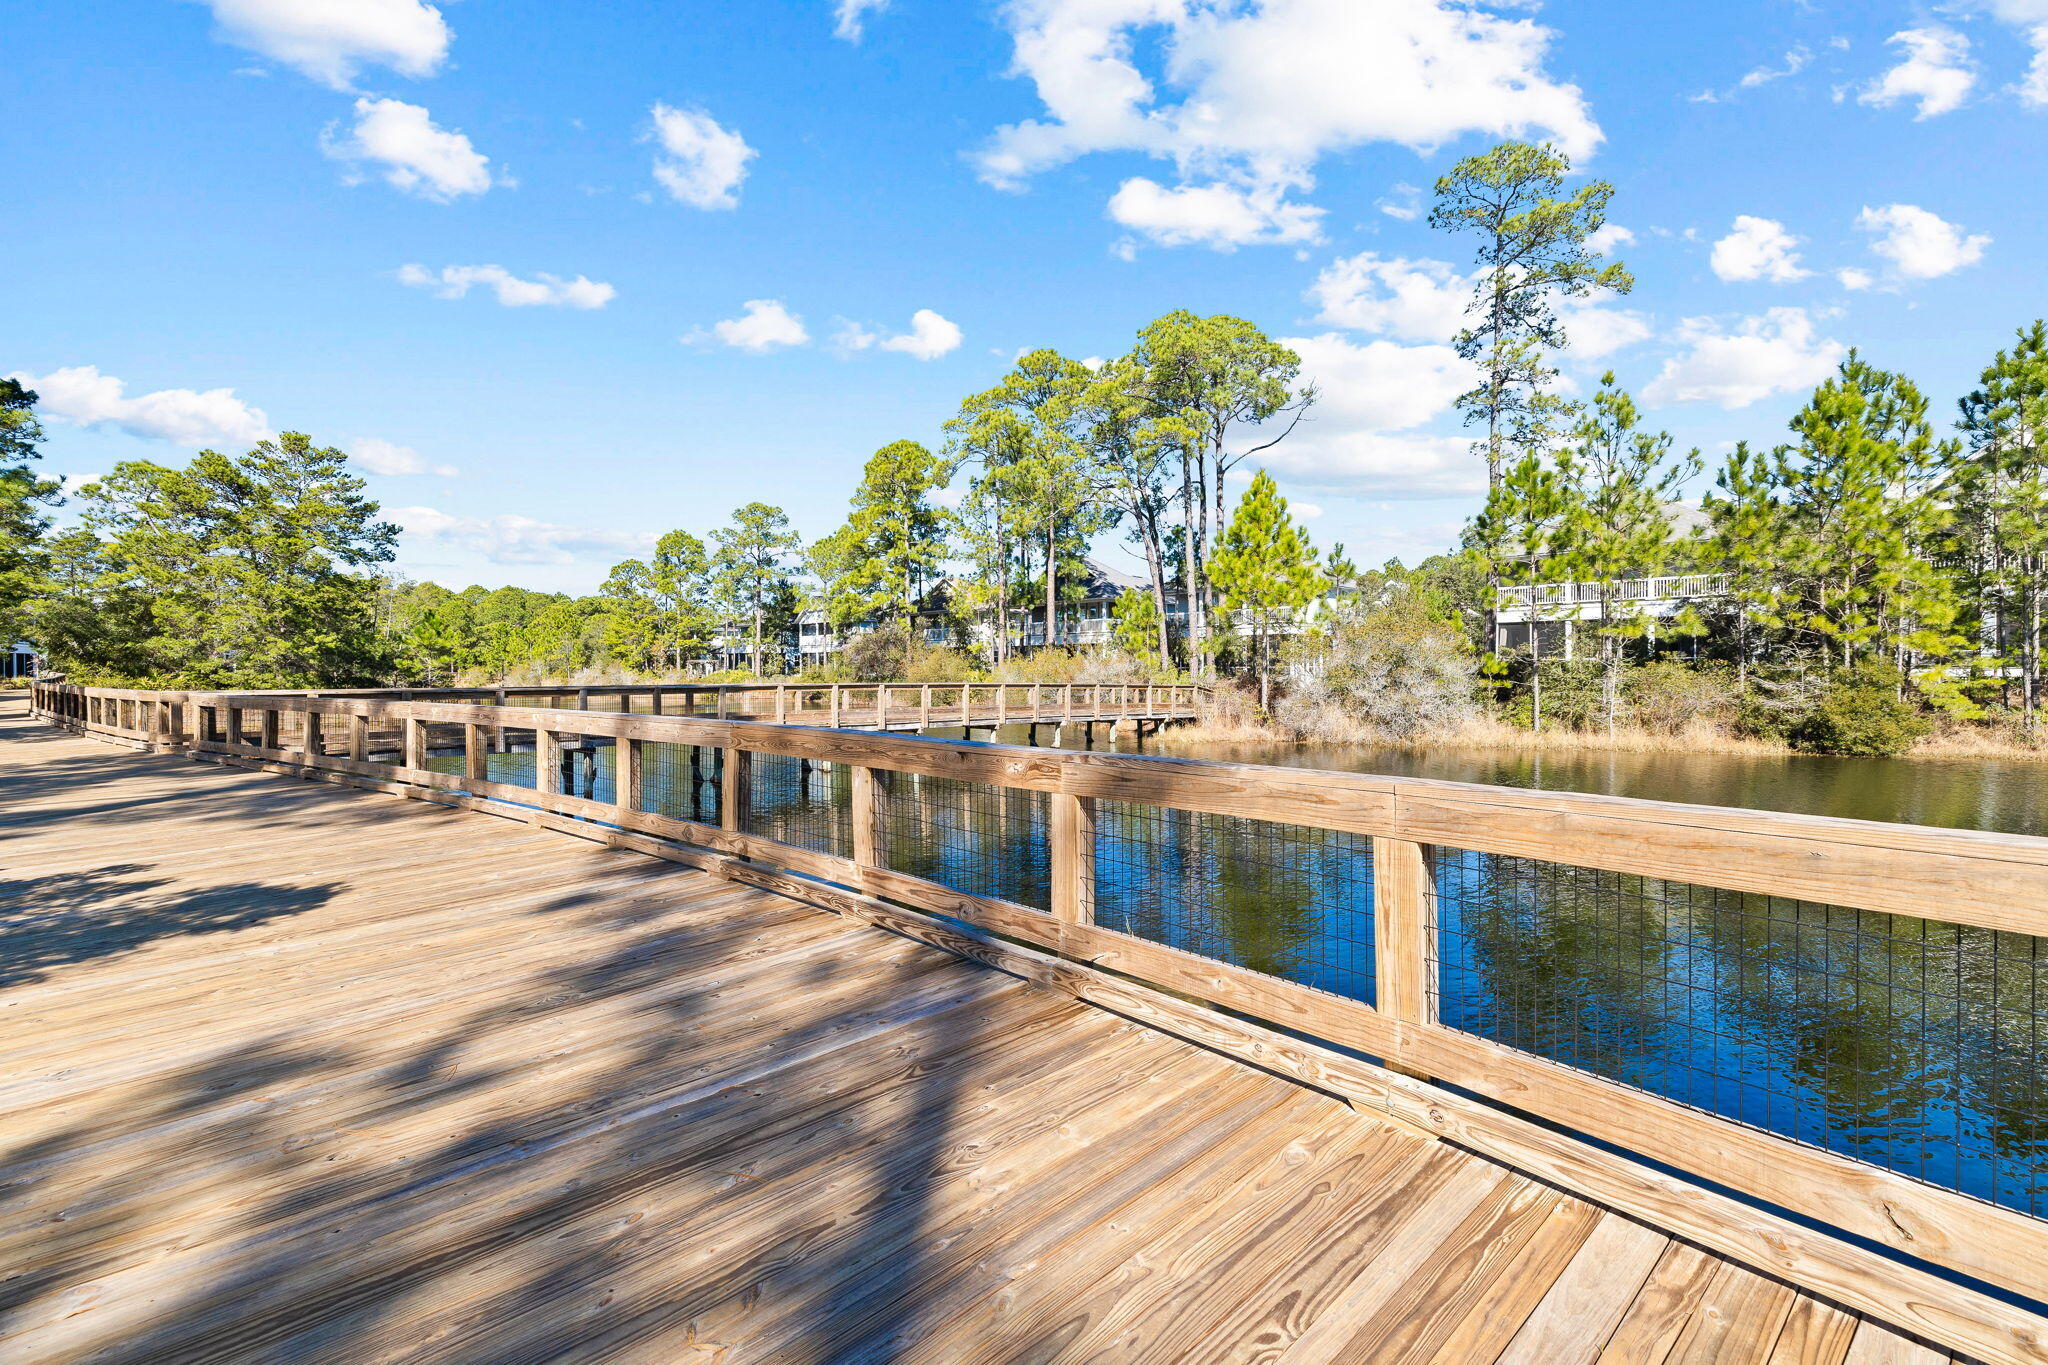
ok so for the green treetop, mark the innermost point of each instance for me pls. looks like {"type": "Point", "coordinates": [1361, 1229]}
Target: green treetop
{"type": "Point", "coordinates": [1532, 250]}
{"type": "Point", "coordinates": [1265, 568]}
{"type": "Point", "coordinates": [24, 503]}
{"type": "Point", "coordinates": [1620, 526]}
{"type": "Point", "coordinates": [894, 543]}
{"type": "Point", "coordinates": [751, 566]}
{"type": "Point", "coordinates": [1828, 538]}
{"type": "Point", "coordinates": [1526, 525]}
{"type": "Point", "coordinates": [2001, 500]}
{"type": "Point", "coordinates": [249, 567]}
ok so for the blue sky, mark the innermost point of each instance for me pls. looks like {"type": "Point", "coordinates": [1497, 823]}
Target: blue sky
{"type": "Point", "coordinates": [488, 247]}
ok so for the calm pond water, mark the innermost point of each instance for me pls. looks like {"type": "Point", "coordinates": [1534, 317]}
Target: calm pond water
{"type": "Point", "coordinates": [1914, 1044]}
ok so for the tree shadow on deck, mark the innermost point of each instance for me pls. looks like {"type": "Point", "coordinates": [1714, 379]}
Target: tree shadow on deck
{"type": "Point", "coordinates": [63, 918]}
{"type": "Point", "coordinates": [647, 1143]}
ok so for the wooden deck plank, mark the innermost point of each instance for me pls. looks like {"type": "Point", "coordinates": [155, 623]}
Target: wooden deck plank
{"type": "Point", "coordinates": [1653, 1322]}
{"type": "Point", "coordinates": [1877, 1344]}
{"type": "Point", "coordinates": [1571, 1322]}
{"type": "Point", "coordinates": [289, 1070]}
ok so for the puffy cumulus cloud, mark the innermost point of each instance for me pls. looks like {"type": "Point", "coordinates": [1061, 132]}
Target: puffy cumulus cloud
{"type": "Point", "coordinates": [1758, 249]}
{"type": "Point", "coordinates": [394, 461]}
{"type": "Point", "coordinates": [1597, 330]}
{"type": "Point", "coordinates": [1608, 237]}
{"type": "Point", "coordinates": [1417, 300]}
{"type": "Point", "coordinates": [543, 290]}
{"type": "Point", "coordinates": [1220, 216]}
{"type": "Point", "coordinates": [2030, 17]}
{"type": "Point", "coordinates": [331, 40]}
{"type": "Point", "coordinates": [1778, 351]}
{"type": "Point", "coordinates": [849, 17]}
{"type": "Point", "coordinates": [1360, 436]}
{"type": "Point", "coordinates": [701, 163]}
{"type": "Point", "coordinates": [1919, 245]}
{"type": "Point", "coordinates": [515, 539]}
{"type": "Point", "coordinates": [763, 325]}
{"type": "Point", "coordinates": [411, 151]}
{"type": "Point", "coordinates": [1935, 70]}
{"type": "Point", "coordinates": [930, 336]}
{"type": "Point", "coordinates": [1425, 300]}
{"type": "Point", "coordinates": [82, 396]}
{"type": "Point", "coordinates": [1403, 203]}
{"type": "Point", "coordinates": [1849, 277]}
{"type": "Point", "coordinates": [1256, 94]}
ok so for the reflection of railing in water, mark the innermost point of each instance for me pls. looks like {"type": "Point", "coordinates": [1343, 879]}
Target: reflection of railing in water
{"type": "Point", "coordinates": [1632, 970]}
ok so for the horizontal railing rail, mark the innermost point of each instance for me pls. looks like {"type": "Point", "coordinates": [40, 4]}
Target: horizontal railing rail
{"type": "Point", "coordinates": [1339, 907]}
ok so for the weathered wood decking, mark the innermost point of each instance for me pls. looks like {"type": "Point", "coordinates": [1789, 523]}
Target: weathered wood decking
{"type": "Point", "coordinates": [296, 1072]}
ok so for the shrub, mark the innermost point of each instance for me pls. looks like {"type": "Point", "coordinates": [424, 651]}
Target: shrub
{"type": "Point", "coordinates": [1396, 670]}
{"type": "Point", "coordinates": [1669, 697]}
{"type": "Point", "coordinates": [1861, 712]}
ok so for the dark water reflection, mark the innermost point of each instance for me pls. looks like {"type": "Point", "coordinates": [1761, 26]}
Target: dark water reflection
{"type": "Point", "coordinates": [1913, 1044]}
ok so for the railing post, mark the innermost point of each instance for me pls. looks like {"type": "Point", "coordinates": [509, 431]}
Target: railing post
{"type": "Point", "coordinates": [882, 706]}
{"type": "Point", "coordinates": [735, 790]}
{"type": "Point", "coordinates": [924, 707]}
{"type": "Point", "coordinates": [1073, 857]}
{"type": "Point", "coordinates": [835, 706]}
{"type": "Point", "coordinates": [415, 744]}
{"type": "Point", "coordinates": [626, 773]}
{"type": "Point", "coordinates": [582, 699]}
{"type": "Point", "coordinates": [654, 701]}
{"type": "Point", "coordinates": [1037, 691]}
{"type": "Point", "coordinates": [359, 736]}
{"type": "Point", "coordinates": [476, 758]}
{"type": "Point", "coordinates": [781, 704]}
{"type": "Point", "coordinates": [547, 762]}
{"type": "Point", "coordinates": [1404, 914]}
{"type": "Point", "coordinates": [870, 815]}
{"type": "Point", "coordinates": [721, 703]}
{"type": "Point", "coordinates": [232, 727]}
{"type": "Point", "coordinates": [309, 739]}
{"type": "Point", "coordinates": [266, 729]}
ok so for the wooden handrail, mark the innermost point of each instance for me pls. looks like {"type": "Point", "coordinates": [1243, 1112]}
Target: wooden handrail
{"type": "Point", "coordinates": [1995, 881]}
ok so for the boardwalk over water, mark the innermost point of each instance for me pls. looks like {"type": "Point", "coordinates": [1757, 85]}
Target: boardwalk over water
{"type": "Point", "coordinates": [293, 1071]}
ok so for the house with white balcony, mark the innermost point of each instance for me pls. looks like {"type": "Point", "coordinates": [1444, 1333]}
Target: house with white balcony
{"type": "Point", "coordinates": [1553, 612]}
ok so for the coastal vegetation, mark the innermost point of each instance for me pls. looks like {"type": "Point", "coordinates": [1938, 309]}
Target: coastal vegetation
{"type": "Point", "coordinates": [1868, 580]}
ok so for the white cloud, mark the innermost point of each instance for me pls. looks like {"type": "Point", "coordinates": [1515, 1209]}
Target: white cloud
{"type": "Point", "coordinates": [330, 40]}
{"type": "Point", "coordinates": [1425, 300]}
{"type": "Point", "coordinates": [930, 336]}
{"type": "Point", "coordinates": [1775, 352]}
{"type": "Point", "coordinates": [416, 155]}
{"type": "Point", "coordinates": [1795, 62]}
{"type": "Point", "coordinates": [849, 17]}
{"type": "Point", "coordinates": [71, 485]}
{"type": "Point", "coordinates": [1849, 277]}
{"type": "Point", "coordinates": [1418, 300]}
{"type": "Point", "coordinates": [1359, 436]}
{"type": "Point", "coordinates": [515, 539]}
{"type": "Point", "coordinates": [1936, 71]}
{"type": "Point", "coordinates": [1920, 245]}
{"type": "Point", "coordinates": [454, 281]}
{"type": "Point", "coordinates": [1253, 96]}
{"type": "Point", "coordinates": [764, 326]}
{"type": "Point", "coordinates": [1223, 217]}
{"type": "Point", "coordinates": [1307, 511]}
{"type": "Point", "coordinates": [1404, 202]}
{"type": "Point", "coordinates": [1607, 237]}
{"type": "Point", "coordinates": [1595, 330]}
{"type": "Point", "coordinates": [82, 396]}
{"type": "Point", "coordinates": [1758, 249]}
{"type": "Point", "coordinates": [702, 164]}
{"type": "Point", "coordinates": [394, 461]}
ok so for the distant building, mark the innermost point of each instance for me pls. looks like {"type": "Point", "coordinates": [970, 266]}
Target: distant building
{"type": "Point", "coordinates": [19, 661]}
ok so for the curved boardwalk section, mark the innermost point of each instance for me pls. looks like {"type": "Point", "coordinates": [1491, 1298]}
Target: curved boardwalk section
{"type": "Point", "coordinates": [292, 1072]}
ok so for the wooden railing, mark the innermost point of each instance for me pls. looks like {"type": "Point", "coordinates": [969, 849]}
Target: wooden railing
{"type": "Point", "coordinates": [881, 705]}
{"type": "Point", "coordinates": [1991, 881]}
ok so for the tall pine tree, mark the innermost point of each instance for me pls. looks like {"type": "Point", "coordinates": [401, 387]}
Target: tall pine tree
{"type": "Point", "coordinates": [1265, 568]}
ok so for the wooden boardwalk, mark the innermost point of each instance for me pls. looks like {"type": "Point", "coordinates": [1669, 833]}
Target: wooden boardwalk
{"type": "Point", "coordinates": [293, 1072]}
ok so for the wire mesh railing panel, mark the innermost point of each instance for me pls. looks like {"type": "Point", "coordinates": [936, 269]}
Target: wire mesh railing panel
{"type": "Point", "coordinates": [970, 836]}
{"type": "Point", "coordinates": [1911, 1044]}
{"type": "Point", "coordinates": [1280, 899]}
{"type": "Point", "coordinates": [679, 781]}
{"type": "Point", "coordinates": [802, 803]}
